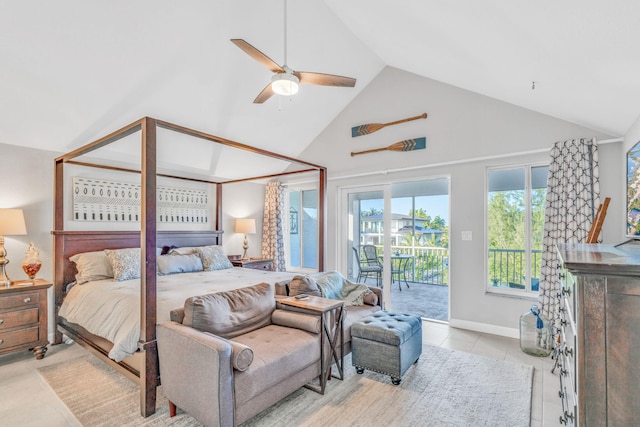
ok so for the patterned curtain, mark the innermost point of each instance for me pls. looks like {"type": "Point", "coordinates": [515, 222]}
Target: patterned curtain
{"type": "Point", "coordinates": [573, 196]}
{"type": "Point", "coordinates": [272, 225]}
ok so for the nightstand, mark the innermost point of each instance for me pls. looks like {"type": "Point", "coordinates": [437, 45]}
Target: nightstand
{"type": "Point", "coordinates": [254, 263]}
{"type": "Point", "coordinates": [23, 317]}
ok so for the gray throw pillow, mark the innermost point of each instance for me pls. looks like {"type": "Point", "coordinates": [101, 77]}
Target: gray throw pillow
{"type": "Point", "coordinates": [170, 264]}
{"type": "Point", "coordinates": [304, 285]}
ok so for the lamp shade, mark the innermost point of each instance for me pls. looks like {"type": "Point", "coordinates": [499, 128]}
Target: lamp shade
{"type": "Point", "coordinates": [245, 225]}
{"type": "Point", "coordinates": [12, 222]}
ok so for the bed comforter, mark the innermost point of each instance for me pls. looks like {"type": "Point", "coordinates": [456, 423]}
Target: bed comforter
{"type": "Point", "coordinates": [111, 309]}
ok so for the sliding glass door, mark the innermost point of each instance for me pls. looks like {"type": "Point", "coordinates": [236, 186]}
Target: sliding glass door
{"type": "Point", "coordinates": [406, 223]}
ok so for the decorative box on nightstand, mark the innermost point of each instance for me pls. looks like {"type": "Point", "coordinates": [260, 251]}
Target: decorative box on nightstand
{"type": "Point", "coordinates": [23, 317]}
{"type": "Point", "coordinates": [255, 263]}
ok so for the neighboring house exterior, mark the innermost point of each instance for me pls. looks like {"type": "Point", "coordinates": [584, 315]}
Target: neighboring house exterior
{"type": "Point", "coordinates": [372, 227]}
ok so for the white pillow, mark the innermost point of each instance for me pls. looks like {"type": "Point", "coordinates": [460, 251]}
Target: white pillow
{"type": "Point", "coordinates": [92, 266]}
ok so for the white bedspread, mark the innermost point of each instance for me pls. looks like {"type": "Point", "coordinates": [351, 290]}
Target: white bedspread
{"type": "Point", "coordinates": [112, 309]}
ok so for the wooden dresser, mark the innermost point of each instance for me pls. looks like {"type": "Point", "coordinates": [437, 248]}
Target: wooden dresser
{"type": "Point", "coordinates": [599, 353]}
{"type": "Point", "coordinates": [23, 317]}
{"type": "Point", "coordinates": [255, 263]}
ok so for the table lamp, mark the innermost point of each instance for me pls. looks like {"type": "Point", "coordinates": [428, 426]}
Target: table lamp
{"type": "Point", "coordinates": [11, 224]}
{"type": "Point", "coordinates": [245, 226]}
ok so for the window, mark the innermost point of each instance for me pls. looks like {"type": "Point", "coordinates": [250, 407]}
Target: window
{"type": "Point", "coordinates": [515, 220]}
{"type": "Point", "coordinates": [303, 229]}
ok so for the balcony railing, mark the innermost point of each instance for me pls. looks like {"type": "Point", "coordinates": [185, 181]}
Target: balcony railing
{"type": "Point", "coordinates": [507, 268]}
{"type": "Point", "coordinates": [428, 265]}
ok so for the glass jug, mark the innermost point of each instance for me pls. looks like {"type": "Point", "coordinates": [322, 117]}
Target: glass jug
{"type": "Point", "coordinates": [536, 337]}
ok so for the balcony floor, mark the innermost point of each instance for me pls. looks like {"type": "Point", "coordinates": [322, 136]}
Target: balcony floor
{"type": "Point", "coordinates": [427, 301]}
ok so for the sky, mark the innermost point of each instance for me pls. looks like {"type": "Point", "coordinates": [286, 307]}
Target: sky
{"type": "Point", "coordinates": [433, 205]}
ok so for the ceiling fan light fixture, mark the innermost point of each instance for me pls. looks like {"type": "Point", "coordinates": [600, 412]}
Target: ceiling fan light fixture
{"type": "Point", "coordinates": [285, 84]}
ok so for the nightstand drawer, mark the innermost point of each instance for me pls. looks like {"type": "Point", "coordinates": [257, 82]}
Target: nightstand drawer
{"type": "Point", "coordinates": [260, 266]}
{"type": "Point", "coordinates": [17, 338]}
{"type": "Point", "coordinates": [17, 318]}
{"type": "Point", "coordinates": [254, 263]}
{"type": "Point", "coordinates": [19, 300]}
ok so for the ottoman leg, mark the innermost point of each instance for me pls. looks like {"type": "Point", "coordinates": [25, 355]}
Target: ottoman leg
{"type": "Point", "coordinates": [395, 381]}
{"type": "Point", "coordinates": [360, 371]}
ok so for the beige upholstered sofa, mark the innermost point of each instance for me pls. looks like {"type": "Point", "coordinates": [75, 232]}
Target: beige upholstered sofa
{"type": "Point", "coordinates": [225, 357]}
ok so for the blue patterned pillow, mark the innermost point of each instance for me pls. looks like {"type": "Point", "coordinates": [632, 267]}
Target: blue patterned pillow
{"type": "Point", "coordinates": [213, 258]}
{"type": "Point", "coordinates": [125, 263]}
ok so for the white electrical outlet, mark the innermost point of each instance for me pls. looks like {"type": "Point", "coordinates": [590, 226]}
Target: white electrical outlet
{"type": "Point", "coordinates": [467, 235]}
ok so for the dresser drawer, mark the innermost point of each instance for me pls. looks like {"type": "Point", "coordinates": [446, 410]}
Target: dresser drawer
{"type": "Point", "coordinates": [569, 407]}
{"type": "Point", "coordinates": [13, 319]}
{"type": "Point", "coordinates": [19, 337]}
{"type": "Point", "coordinates": [19, 300]}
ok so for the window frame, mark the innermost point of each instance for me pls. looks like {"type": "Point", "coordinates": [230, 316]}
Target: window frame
{"type": "Point", "coordinates": [506, 291]}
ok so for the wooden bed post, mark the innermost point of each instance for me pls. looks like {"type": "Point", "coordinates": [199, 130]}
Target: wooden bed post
{"type": "Point", "coordinates": [219, 207]}
{"type": "Point", "coordinates": [322, 215]}
{"type": "Point", "coordinates": [149, 373]}
{"type": "Point", "coordinates": [58, 224]}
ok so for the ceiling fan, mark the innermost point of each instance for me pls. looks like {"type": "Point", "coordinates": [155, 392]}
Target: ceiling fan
{"type": "Point", "coordinates": [285, 80]}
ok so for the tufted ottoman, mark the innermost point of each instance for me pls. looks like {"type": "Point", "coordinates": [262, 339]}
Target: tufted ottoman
{"type": "Point", "coordinates": [387, 343]}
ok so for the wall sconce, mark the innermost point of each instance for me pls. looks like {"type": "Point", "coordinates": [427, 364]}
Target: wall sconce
{"type": "Point", "coordinates": [11, 224]}
{"type": "Point", "coordinates": [245, 226]}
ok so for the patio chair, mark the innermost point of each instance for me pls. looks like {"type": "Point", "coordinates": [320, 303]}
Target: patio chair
{"type": "Point", "coordinates": [371, 255]}
{"type": "Point", "coordinates": [366, 269]}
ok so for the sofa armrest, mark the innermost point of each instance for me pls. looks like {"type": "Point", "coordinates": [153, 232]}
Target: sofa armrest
{"type": "Point", "coordinates": [196, 373]}
{"type": "Point", "coordinates": [293, 319]}
{"type": "Point", "coordinates": [378, 292]}
{"type": "Point", "coordinates": [177, 315]}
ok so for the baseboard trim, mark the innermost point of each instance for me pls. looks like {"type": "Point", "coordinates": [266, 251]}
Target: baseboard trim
{"type": "Point", "coordinates": [485, 328]}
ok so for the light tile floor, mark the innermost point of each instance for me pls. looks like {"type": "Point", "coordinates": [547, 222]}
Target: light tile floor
{"type": "Point", "coordinates": [27, 400]}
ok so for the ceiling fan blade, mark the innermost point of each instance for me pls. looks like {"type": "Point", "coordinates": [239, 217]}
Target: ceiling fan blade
{"type": "Point", "coordinates": [258, 56]}
{"type": "Point", "coordinates": [325, 79]}
{"type": "Point", "coordinates": [266, 93]}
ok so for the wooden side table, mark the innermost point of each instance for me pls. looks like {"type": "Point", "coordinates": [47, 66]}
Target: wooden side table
{"type": "Point", "coordinates": [23, 317]}
{"type": "Point", "coordinates": [329, 333]}
{"type": "Point", "coordinates": [254, 263]}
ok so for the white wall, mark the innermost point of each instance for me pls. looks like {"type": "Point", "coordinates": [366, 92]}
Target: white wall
{"type": "Point", "coordinates": [27, 177]}
{"type": "Point", "coordinates": [242, 200]}
{"type": "Point", "coordinates": [466, 133]}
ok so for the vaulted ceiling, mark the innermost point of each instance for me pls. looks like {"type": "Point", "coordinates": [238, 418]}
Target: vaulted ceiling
{"type": "Point", "coordinates": [73, 70]}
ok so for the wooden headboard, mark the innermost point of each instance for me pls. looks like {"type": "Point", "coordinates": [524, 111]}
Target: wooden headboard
{"type": "Point", "coordinates": [69, 243]}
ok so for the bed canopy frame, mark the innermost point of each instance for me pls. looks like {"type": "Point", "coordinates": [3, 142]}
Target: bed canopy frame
{"type": "Point", "coordinates": [67, 243]}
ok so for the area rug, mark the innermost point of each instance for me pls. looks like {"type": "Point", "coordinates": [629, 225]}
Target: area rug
{"type": "Point", "coordinates": [445, 388]}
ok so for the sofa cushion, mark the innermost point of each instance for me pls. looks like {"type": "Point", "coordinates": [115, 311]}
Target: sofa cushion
{"type": "Point", "coordinates": [355, 313]}
{"type": "Point", "coordinates": [231, 313]}
{"type": "Point", "coordinates": [277, 352]}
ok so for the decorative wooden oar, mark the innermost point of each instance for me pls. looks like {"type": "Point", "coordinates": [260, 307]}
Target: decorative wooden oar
{"type": "Point", "coordinates": [406, 145]}
{"type": "Point", "coordinates": [374, 127]}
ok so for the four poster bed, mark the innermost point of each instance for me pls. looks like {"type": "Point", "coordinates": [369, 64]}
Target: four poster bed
{"type": "Point", "coordinates": [133, 351]}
